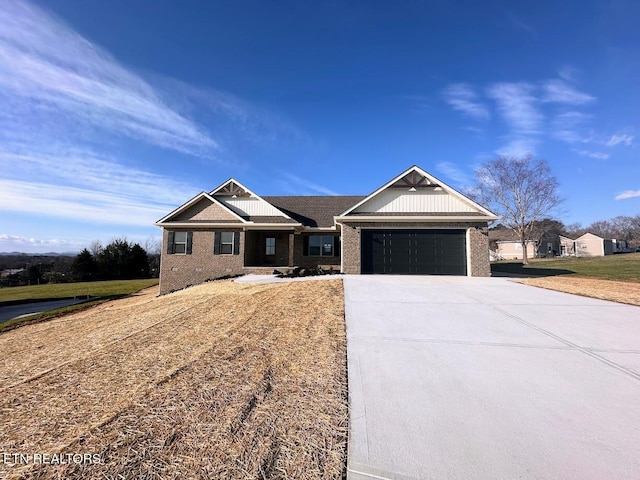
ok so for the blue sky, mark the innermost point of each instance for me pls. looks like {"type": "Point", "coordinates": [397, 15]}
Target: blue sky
{"type": "Point", "coordinates": [114, 113]}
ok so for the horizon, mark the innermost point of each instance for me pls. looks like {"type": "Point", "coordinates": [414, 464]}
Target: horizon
{"type": "Point", "coordinates": [114, 114]}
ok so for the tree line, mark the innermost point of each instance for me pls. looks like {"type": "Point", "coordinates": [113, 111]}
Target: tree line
{"type": "Point", "coordinates": [119, 260]}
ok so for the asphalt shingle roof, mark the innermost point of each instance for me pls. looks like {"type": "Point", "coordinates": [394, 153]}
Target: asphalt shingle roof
{"type": "Point", "coordinates": [314, 211]}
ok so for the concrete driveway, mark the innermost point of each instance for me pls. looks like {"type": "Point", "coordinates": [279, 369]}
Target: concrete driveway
{"type": "Point", "coordinates": [484, 378]}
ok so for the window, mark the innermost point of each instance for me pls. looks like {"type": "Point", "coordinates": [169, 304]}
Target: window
{"type": "Point", "coordinates": [323, 245]}
{"type": "Point", "coordinates": [179, 243]}
{"type": "Point", "coordinates": [315, 241]}
{"type": "Point", "coordinates": [270, 247]}
{"type": "Point", "coordinates": [226, 243]}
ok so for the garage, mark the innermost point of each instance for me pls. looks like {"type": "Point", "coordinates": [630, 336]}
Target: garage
{"type": "Point", "coordinates": [414, 251]}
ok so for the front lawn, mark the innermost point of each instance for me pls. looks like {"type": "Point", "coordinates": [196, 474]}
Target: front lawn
{"type": "Point", "coordinates": [52, 291]}
{"type": "Point", "coordinates": [625, 267]}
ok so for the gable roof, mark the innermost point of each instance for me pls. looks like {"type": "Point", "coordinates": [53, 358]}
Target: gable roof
{"type": "Point", "coordinates": [202, 196]}
{"type": "Point", "coordinates": [245, 208]}
{"type": "Point", "coordinates": [313, 211]}
{"type": "Point", "coordinates": [247, 204]}
{"type": "Point", "coordinates": [414, 179]}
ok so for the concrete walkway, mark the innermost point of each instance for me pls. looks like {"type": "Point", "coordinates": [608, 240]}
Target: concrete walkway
{"type": "Point", "coordinates": [484, 378]}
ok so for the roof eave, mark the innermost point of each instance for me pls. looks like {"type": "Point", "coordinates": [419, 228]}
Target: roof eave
{"type": "Point", "coordinates": [415, 218]}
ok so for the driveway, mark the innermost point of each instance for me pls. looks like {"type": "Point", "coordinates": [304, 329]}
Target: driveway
{"type": "Point", "coordinates": [484, 378]}
{"type": "Point", "coordinates": [12, 311]}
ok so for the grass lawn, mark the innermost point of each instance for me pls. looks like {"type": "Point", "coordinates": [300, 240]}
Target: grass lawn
{"type": "Point", "coordinates": [221, 380]}
{"type": "Point", "coordinates": [50, 291]}
{"type": "Point", "coordinates": [99, 291]}
{"type": "Point", "coordinates": [623, 267]}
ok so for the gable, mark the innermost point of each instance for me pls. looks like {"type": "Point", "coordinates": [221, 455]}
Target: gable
{"type": "Point", "coordinates": [243, 202]}
{"type": "Point", "coordinates": [418, 201]}
{"type": "Point", "coordinates": [417, 193]}
{"type": "Point", "coordinates": [205, 210]}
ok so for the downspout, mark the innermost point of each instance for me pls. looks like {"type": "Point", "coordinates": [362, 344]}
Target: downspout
{"type": "Point", "coordinates": [341, 248]}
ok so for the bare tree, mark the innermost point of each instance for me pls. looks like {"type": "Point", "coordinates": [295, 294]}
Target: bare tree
{"type": "Point", "coordinates": [95, 248]}
{"type": "Point", "coordinates": [521, 190]}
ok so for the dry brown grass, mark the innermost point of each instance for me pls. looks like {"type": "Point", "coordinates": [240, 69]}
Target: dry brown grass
{"type": "Point", "coordinates": [621, 292]}
{"type": "Point", "coordinates": [222, 380]}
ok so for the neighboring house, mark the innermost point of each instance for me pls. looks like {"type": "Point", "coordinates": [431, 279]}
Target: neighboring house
{"type": "Point", "coordinates": [590, 245]}
{"type": "Point", "coordinates": [567, 246]}
{"type": "Point", "coordinates": [505, 245]}
{"type": "Point", "coordinates": [413, 224]}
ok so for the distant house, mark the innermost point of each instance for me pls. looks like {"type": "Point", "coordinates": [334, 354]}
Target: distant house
{"type": "Point", "coordinates": [590, 245]}
{"type": "Point", "coordinates": [505, 245]}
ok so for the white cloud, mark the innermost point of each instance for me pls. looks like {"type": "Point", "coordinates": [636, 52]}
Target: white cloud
{"type": "Point", "coordinates": [559, 91]}
{"type": "Point", "coordinates": [74, 203]}
{"type": "Point", "coordinates": [619, 139]}
{"type": "Point", "coordinates": [463, 98]}
{"type": "Point", "coordinates": [628, 194]}
{"type": "Point", "coordinates": [76, 184]}
{"type": "Point", "coordinates": [568, 73]}
{"type": "Point", "coordinates": [516, 103]}
{"type": "Point", "coordinates": [55, 71]}
{"type": "Point", "coordinates": [309, 186]}
{"type": "Point", "coordinates": [30, 244]}
{"type": "Point", "coordinates": [517, 147]}
{"type": "Point", "coordinates": [568, 126]}
{"type": "Point", "coordinates": [452, 171]}
{"type": "Point", "coordinates": [590, 154]}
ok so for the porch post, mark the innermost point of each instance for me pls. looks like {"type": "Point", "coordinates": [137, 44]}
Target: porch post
{"type": "Point", "coordinates": [291, 248]}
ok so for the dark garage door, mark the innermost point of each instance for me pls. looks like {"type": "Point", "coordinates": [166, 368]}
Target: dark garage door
{"type": "Point", "coordinates": [417, 252]}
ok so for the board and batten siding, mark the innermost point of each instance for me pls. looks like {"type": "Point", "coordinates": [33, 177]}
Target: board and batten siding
{"type": "Point", "coordinates": [393, 201]}
{"type": "Point", "coordinates": [248, 206]}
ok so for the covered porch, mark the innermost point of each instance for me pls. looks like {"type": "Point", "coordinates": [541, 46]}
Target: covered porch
{"type": "Point", "coordinates": [269, 248]}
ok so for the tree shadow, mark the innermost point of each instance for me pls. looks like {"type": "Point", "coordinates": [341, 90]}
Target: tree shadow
{"type": "Point", "coordinates": [518, 270]}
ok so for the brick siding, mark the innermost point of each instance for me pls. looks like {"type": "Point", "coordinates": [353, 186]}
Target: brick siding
{"type": "Point", "coordinates": [180, 271]}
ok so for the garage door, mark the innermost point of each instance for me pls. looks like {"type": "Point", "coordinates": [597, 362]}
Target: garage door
{"type": "Point", "coordinates": [414, 252]}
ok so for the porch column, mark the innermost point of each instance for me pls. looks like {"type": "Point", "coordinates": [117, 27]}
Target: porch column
{"type": "Point", "coordinates": [291, 248]}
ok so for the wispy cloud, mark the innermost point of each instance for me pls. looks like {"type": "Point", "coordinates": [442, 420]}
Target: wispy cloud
{"type": "Point", "coordinates": [517, 105]}
{"type": "Point", "coordinates": [619, 139]}
{"type": "Point", "coordinates": [310, 187]}
{"type": "Point", "coordinates": [569, 126]}
{"type": "Point", "coordinates": [30, 244]}
{"type": "Point", "coordinates": [568, 73]}
{"type": "Point", "coordinates": [517, 146]}
{"type": "Point", "coordinates": [66, 182]}
{"type": "Point", "coordinates": [74, 203]}
{"type": "Point", "coordinates": [463, 98]}
{"type": "Point", "coordinates": [455, 173]}
{"type": "Point", "coordinates": [591, 154]}
{"type": "Point", "coordinates": [520, 25]}
{"type": "Point", "coordinates": [628, 194]}
{"type": "Point", "coordinates": [57, 72]}
{"type": "Point", "coordinates": [559, 91]}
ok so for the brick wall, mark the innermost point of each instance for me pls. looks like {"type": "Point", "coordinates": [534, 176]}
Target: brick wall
{"type": "Point", "coordinates": [479, 251]}
{"type": "Point", "coordinates": [306, 261]}
{"type": "Point", "coordinates": [180, 271]}
{"type": "Point", "coordinates": [478, 243]}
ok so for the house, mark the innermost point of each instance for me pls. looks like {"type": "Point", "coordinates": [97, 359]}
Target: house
{"type": "Point", "coordinates": [567, 246]}
{"type": "Point", "coordinates": [590, 245]}
{"type": "Point", "coordinates": [413, 224]}
{"type": "Point", "coordinates": [505, 244]}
